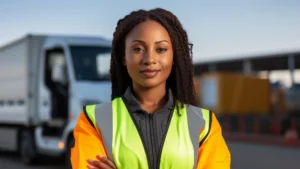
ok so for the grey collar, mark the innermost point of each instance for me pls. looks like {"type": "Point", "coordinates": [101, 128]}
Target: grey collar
{"type": "Point", "coordinates": [134, 106]}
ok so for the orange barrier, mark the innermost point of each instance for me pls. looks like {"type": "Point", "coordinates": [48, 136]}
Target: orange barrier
{"type": "Point", "coordinates": [275, 126]}
{"type": "Point", "coordinates": [291, 136]}
{"type": "Point", "coordinates": [260, 130]}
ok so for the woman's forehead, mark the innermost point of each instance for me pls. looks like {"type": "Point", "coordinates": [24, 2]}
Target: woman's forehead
{"type": "Point", "coordinates": [150, 30]}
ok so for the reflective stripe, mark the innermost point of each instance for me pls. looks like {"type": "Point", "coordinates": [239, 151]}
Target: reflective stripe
{"type": "Point", "coordinates": [104, 122]}
{"type": "Point", "coordinates": [101, 117]}
{"type": "Point", "coordinates": [206, 114]}
{"type": "Point", "coordinates": [196, 124]}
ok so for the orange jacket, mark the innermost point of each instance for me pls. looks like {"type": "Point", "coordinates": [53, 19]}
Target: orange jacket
{"type": "Point", "coordinates": [213, 153]}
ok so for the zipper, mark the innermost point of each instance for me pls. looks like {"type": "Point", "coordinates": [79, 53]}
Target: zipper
{"type": "Point", "coordinates": [152, 139]}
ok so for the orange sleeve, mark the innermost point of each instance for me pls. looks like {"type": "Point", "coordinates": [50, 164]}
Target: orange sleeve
{"type": "Point", "coordinates": [214, 153]}
{"type": "Point", "coordinates": [88, 143]}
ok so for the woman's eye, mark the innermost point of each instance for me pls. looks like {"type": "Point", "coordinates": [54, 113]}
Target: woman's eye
{"type": "Point", "coordinates": [161, 50]}
{"type": "Point", "coordinates": [137, 49]}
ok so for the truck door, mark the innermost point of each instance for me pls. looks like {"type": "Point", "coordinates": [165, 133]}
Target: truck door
{"type": "Point", "coordinates": [54, 86]}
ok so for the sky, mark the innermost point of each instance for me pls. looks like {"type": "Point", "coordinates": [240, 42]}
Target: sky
{"type": "Point", "coordinates": [218, 29]}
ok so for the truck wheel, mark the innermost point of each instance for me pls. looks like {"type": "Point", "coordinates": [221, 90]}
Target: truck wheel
{"type": "Point", "coordinates": [27, 148]}
{"type": "Point", "coordinates": [69, 146]}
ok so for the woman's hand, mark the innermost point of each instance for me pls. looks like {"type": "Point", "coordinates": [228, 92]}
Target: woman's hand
{"type": "Point", "coordinates": [103, 163]}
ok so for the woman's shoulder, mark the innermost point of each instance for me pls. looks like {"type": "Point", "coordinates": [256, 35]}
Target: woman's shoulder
{"type": "Point", "coordinates": [96, 108]}
{"type": "Point", "coordinates": [199, 110]}
{"type": "Point", "coordinates": [205, 114]}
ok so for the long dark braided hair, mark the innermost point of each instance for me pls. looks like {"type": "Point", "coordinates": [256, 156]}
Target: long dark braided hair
{"type": "Point", "coordinates": [181, 78]}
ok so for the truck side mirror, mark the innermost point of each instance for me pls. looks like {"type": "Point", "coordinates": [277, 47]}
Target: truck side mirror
{"type": "Point", "coordinates": [58, 74]}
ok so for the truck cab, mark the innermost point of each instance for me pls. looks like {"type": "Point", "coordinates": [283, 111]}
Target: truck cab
{"type": "Point", "coordinates": [46, 80]}
{"type": "Point", "coordinates": [73, 72]}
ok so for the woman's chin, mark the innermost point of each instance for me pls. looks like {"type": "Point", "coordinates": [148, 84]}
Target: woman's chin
{"type": "Point", "coordinates": [150, 84]}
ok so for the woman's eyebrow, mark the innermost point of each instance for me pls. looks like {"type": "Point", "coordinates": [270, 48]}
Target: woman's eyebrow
{"type": "Point", "coordinates": [161, 41]}
{"type": "Point", "coordinates": [140, 41]}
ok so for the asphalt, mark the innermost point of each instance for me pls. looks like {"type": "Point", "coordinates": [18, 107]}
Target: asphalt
{"type": "Point", "coordinates": [244, 156]}
{"type": "Point", "coordinates": [255, 156]}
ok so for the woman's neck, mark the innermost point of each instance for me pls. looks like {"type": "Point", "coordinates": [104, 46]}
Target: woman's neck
{"type": "Point", "coordinates": [151, 99]}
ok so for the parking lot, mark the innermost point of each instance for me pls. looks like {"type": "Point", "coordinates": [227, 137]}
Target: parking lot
{"type": "Point", "coordinates": [244, 156]}
{"type": "Point", "coordinates": [11, 161]}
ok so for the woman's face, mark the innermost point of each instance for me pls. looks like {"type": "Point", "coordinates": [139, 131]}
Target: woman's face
{"type": "Point", "coordinates": [148, 54]}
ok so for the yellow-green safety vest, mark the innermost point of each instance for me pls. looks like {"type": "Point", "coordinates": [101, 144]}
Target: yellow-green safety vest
{"type": "Point", "coordinates": [125, 146]}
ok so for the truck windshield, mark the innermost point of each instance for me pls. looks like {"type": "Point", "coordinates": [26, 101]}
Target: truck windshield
{"type": "Point", "coordinates": [91, 63]}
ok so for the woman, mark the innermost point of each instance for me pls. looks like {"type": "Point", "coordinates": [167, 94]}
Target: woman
{"type": "Point", "coordinates": [152, 120]}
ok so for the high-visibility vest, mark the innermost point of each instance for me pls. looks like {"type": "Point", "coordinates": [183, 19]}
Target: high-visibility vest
{"type": "Point", "coordinates": [188, 129]}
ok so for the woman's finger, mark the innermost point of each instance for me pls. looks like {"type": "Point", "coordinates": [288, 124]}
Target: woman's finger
{"type": "Point", "coordinates": [107, 161]}
{"type": "Point", "coordinates": [98, 165]}
{"type": "Point", "coordinates": [92, 167]}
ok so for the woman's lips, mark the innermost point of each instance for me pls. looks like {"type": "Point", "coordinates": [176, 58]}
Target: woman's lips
{"type": "Point", "coordinates": [150, 73]}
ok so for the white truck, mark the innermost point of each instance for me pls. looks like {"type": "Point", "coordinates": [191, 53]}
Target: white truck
{"type": "Point", "coordinates": [45, 80]}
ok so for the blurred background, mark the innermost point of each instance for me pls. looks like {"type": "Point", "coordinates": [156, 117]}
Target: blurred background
{"type": "Point", "coordinates": [54, 58]}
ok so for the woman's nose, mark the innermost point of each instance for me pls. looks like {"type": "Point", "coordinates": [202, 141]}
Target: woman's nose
{"type": "Point", "coordinates": [149, 58]}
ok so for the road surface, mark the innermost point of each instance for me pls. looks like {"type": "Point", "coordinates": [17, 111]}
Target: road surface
{"type": "Point", "coordinates": [244, 156]}
{"type": "Point", "coordinates": [250, 156]}
{"type": "Point", "coordinates": [11, 161]}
